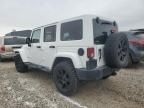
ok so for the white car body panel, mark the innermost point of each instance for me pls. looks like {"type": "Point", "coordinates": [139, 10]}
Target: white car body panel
{"type": "Point", "coordinates": [45, 56]}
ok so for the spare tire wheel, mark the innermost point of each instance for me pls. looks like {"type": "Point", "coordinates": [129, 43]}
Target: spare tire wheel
{"type": "Point", "coordinates": [116, 50]}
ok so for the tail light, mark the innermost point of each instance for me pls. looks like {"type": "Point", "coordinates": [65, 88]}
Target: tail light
{"type": "Point", "coordinates": [133, 42]}
{"type": "Point", "coordinates": [90, 52]}
{"type": "Point", "coordinates": [2, 48]}
{"type": "Point", "coordinates": [137, 42]}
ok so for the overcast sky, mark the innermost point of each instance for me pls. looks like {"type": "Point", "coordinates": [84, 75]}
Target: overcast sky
{"type": "Point", "coordinates": [27, 14]}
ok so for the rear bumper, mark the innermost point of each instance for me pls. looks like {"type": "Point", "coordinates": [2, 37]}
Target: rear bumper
{"type": "Point", "coordinates": [137, 56]}
{"type": "Point", "coordinates": [94, 74]}
{"type": "Point", "coordinates": [7, 55]}
{"type": "Point", "coordinates": [142, 54]}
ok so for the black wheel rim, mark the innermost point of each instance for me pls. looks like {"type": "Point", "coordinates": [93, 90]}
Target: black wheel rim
{"type": "Point", "coordinates": [63, 79]}
{"type": "Point", "coordinates": [122, 50]}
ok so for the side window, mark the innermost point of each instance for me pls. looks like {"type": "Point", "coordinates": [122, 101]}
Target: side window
{"type": "Point", "coordinates": [50, 34]}
{"type": "Point", "coordinates": [71, 30]}
{"type": "Point", "coordinates": [36, 36]}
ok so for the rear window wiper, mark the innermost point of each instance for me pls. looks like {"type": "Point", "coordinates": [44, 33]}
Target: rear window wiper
{"type": "Point", "coordinates": [108, 23]}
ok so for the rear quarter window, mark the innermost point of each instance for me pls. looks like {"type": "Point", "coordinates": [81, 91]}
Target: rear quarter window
{"type": "Point", "coordinates": [50, 34]}
{"type": "Point", "coordinates": [71, 30]}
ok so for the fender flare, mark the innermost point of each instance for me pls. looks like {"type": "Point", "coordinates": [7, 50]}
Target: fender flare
{"type": "Point", "coordinates": [23, 54]}
{"type": "Point", "coordinates": [74, 58]}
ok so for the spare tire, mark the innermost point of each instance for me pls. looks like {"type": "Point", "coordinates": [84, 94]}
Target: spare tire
{"type": "Point", "coordinates": [116, 51]}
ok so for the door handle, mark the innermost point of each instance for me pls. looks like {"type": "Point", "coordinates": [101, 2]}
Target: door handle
{"type": "Point", "coordinates": [51, 46]}
{"type": "Point", "coordinates": [38, 46]}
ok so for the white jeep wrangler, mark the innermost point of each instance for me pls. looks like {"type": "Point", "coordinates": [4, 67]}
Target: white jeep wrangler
{"type": "Point", "coordinates": [81, 48]}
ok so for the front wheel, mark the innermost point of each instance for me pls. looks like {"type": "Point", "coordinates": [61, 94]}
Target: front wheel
{"type": "Point", "coordinates": [20, 66]}
{"type": "Point", "coordinates": [65, 78]}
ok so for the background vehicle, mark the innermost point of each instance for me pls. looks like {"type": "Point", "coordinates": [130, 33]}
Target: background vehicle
{"type": "Point", "coordinates": [8, 45]}
{"type": "Point", "coordinates": [136, 46]}
{"type": "Point", "coordinates": [22, 33]}
{"type": "Point", "coordinates": [81, 48]}
{"type": "Point", "coordinates": [138, 30]}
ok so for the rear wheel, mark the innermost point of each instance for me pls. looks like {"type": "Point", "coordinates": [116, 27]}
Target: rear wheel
{"type": "Point", "coordinates": [20, 66]}
{"type": "Point", "coordinates": [65, 78]}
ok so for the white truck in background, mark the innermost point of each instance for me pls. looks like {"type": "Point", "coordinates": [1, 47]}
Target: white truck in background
{"type": "Point", "coordinates": [8, 44]}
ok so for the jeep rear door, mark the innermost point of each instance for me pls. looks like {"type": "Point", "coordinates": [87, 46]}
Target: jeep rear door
{"type": "Point", "coordinates": [101, 30]}
{"type": "Point", "coordinates": [48, 46]}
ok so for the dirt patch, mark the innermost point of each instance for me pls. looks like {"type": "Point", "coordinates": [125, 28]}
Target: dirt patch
{"type": "Point", "coordinates": [36, 89]}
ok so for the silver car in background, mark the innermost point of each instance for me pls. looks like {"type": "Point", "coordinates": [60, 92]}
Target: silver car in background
{"type": "Point", "coordinates": [8, 44]}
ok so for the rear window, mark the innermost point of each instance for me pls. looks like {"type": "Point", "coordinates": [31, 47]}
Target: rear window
{"type": "Point", "coordinates": [101, 30]}
{"type": "Point", "coordinates": [139, 35]}
{"type": "Point", "coordinates": [14, 41]}
{"type": "Point", "coordinates": [71, 30]}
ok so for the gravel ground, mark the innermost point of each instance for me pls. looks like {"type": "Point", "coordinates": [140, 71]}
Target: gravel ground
{"type": "Point", "coordinates": [36, 89]}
